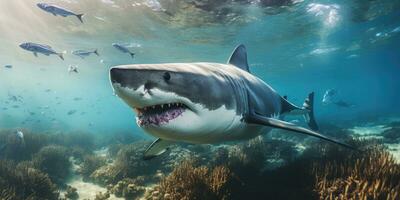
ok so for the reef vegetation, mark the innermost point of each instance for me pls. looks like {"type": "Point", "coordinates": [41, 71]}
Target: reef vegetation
{"type": "Point", "coordinates": [267, 167]}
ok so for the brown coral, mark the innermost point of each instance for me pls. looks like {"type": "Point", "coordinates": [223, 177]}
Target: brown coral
{"type": "Point", "coordinates": [374, 175]}
{"type": "Point", "coordinates": [24, 182]}
{"type": "Point", "coordinates": [190, 182]}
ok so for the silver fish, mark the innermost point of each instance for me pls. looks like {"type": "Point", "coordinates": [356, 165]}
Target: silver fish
{"type": "Point", "coordinates": [85, 53]}
{"type": "Point", "coordinates": [123, 49]}
{"type": "Point", "coordinates": [40, 48]}
{"type": "Point", "coordinates": [56, 10]}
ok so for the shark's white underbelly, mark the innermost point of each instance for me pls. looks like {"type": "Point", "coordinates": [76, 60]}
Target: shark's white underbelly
{"type": "Point", "coordinates": [238, 130]}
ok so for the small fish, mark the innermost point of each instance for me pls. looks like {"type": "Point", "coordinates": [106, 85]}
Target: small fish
{"type": "Point", "coordinates": [328, 96]}
{"type": "Point", "coordinates": [8, 66]}
{"type": "Point", "coordinates": [73, 68]}
{"type": "Point", "coordinates": [77, 98]}
{"type": "Point", "coordinates": [85, 53]}
{"type": "Point", "coordinates": [56, 10]}
{"type": "Point", "coordinates": [71, 112]}
{"type": "Point", "coordinates": [123, 49]}
{"type": "Point", "coordinates": [40, 48]}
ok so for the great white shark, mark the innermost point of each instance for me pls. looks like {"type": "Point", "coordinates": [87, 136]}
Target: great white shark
{"type": "Point", "coordinates": [206, 102]}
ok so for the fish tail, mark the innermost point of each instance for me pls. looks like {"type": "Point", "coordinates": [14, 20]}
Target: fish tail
{"type": "Point", "coordinates": [79, 16]}
{"type": "Point", "coordinates": [96, 52]}
{"type": "Point", "coordinates": [61, 55]}
{"type": "Point", "coordinates": [132, 54]}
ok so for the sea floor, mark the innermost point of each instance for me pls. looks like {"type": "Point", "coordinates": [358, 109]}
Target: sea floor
{"type": "Point", "coordinates": [375, 131]}
{"type": "Point", "coordinates": [86, 190]}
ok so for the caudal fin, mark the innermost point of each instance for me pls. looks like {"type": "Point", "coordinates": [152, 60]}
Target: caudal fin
{"type": "Point", "coordinates": [309, 116]}
{"type": "Point", "coordinates": [79, 16]}
{"type": "Point", "coordinates": [61, 55]}
{"type": "Point", "coordinates": [132, 54]}
{"type": "Point", "coordinates": [96, 52]}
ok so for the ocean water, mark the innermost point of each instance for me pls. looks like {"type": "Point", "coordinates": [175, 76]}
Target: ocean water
{"type": "Point", "coordinates": [296, 46]}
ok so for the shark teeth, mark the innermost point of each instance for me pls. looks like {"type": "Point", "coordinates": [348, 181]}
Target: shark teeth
{"type": "Point", "coordinates": [159, 114]}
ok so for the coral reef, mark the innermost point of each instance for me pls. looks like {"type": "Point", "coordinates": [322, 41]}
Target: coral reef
{"type": "Point", "coordinates": [16, 151]}
{"type": "Point", "coordinates": [128, 188]}
{"type": "Point", "coordinates": [128, 164]}
{"type": "Point", "coordinates": [53, 160]}
{"type": "Point", "coordinates": [24, 182]}
{"type": "Point", "coordinates": [90, 164]}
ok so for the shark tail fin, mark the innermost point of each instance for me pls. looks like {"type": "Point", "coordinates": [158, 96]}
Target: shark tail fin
{"type": "Point", "coordinates": [96, 52]}
{"type": "Point", "coordinates": [309, 116]}
{"type": "Point", "coordinates": [79, 16]}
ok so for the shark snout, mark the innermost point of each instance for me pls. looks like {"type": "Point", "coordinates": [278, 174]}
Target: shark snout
{"type": "Point", "coordinates": [116, 75]}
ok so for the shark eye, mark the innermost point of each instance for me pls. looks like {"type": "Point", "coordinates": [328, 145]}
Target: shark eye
{"type": "Point", "coordinates": [167, 76]}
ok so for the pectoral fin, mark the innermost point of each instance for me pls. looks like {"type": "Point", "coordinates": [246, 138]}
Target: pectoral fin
{"type": "Point", "coordinates": [156, 148]}
{"type": "Point", "coordinates": [255, 118]}
{"type": "Point", "coordinates": [35, 54]}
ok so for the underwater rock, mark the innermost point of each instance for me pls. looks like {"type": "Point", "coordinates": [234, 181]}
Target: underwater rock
{"type": "Point", "coordinates": [102, 196]}
{"type": "Point", "coordinates": [53, 160]}
{"type": "Point", "coordinates": [392, 135]}
{"type": "Point", "coordinates": [24, 182]}
{"type": "Point", "coordinates": [71, 193]}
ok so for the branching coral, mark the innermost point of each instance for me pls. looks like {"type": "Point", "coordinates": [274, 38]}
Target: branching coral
{"type": "Point", "coordinates": [190, 182]}
{"type": "Point", "coordinates": [90, 164]}
{"type": "Point", "coordinates": [24, 182]}
{"type": "Point", "coordinates": [373, 175]}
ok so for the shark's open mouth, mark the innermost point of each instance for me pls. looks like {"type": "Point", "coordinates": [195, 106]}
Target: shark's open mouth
{"type": "Point", "coordinates": [159, 114]}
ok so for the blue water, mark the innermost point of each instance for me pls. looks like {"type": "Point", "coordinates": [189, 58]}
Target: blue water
{"type": "Point", "coordinates": [309, 46]}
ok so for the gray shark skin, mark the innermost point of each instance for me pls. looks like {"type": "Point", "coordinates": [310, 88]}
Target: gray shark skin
{"type": "Point", "coordinates": [205, 102]}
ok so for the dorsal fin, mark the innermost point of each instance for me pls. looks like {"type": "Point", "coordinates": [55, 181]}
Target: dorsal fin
{"type": "Point", "coordinates": [239, 58]}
